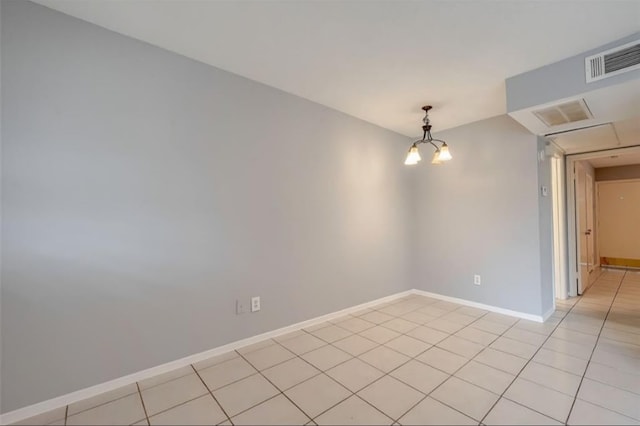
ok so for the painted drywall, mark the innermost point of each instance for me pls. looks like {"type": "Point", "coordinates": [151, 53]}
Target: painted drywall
{"type": "Point", "coordinates": [545, 210]}
{"type": "Point", "coordinates": [143, 193]}
{"type": "Point", "coordinates": [618, 213]}
{"type": "Point", "coordinates": [479, 214]}
{"type": "Point", "coordinates": [561, 79]}
{"type": "Point", "coordinates": [618, 173]}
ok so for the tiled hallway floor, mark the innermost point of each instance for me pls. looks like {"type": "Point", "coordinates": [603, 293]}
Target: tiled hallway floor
{"type": "Point", "coordinates": [413, 361]}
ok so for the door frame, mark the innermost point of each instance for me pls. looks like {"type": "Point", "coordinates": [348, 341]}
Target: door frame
{"type": "Point", "coordinates": [573, 248]}
{"type": "Point", "coordinates": [559, 227]}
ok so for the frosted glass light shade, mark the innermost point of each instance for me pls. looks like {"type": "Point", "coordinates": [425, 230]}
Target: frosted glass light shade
{"type": "Point", "coordinates": [436, 158]}
{"type": "Point", "coordinates": [413, 156]}
{"type": "Point", "coordinates": [444, 155]}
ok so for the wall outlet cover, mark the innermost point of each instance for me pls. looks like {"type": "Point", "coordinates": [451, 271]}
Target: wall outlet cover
{"type": "Point", "coordinates": [255, 304]}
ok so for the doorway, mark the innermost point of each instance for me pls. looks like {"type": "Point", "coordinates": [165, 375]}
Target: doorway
{"type": "Point", "coordinates": [582, 220]}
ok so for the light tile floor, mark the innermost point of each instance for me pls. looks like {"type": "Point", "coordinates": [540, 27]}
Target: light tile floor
{"type": "Point", "coordinates": [414, 361]}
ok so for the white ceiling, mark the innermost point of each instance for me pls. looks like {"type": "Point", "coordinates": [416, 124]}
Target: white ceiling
{"type": "Point", "coordinates": [618, 134]}
{"type": "Point", "coordinates": [613, 160]}
{"type": "Point", "coordinates": [376, 60]}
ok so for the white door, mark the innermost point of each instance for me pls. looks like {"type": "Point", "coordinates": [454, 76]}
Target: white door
{"type": "Point", "coordinates": [584, 214]}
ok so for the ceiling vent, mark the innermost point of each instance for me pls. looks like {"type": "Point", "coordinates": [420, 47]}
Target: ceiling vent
{"type": "Point", "coordinates": [568, 112]}
{"type": "Point", "coordinates": [612, 62]}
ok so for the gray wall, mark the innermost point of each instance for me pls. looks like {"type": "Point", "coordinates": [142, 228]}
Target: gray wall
{"type": "Point", "coordinates": [479, 214]}
{"type": "Point", "coordinates": [545, 207]}
{"type": "Point", "coordinates": [143, 192]}
{"type": "Point", "coordinates": [561, 79]}
{"type": "Point", "coordinates": [617, 173]}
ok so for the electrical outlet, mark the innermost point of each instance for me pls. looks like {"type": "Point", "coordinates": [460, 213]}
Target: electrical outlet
{"type": "Point", "coordinates": [476, 279]}
{"type": "Point", "coordinates": [241, 307]}
{"type": "Point", "coordinates": [255, 304]}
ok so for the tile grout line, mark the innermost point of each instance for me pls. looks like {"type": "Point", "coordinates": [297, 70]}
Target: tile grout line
{"type": "Point", "coordinates": [144, 407]}
{"type": "Point", "coordinates": [525, 366]}
{"type": "Point", "coordinates": [595, 346]}
{"type": "Point", "coordinates": [210, 393]}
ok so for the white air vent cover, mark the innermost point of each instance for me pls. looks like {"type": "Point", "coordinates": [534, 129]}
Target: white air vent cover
{"type": "Point", "coordinates": [568, 112]}
{"type": "Point", "coordinates": [612, 62]}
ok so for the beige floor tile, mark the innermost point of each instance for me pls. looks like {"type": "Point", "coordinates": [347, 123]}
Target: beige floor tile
{"type": "Point", "coordinates": [471, 311]}
{"type": "Point", "coordinates": [269, 356]}
{"type": "Point", "coordinates": [103, 398]}
{"type": "Point", "coordinates": [459, 318]}
{"type": "Point", "coordinates": [461, 346]}
{"type": "Point", "coordinates": [303, 343]}
{"type": "Point", "coordinates": [318, 326]}
{"type": "Point", "coordinates": [575, 336]}
{"type": "Point", "coordinates": [226, 372]}
{"type": "Point", "coordinates": [355, 325]}
{"type": "Point", "coordinates": [255, 346]}
{"type": "Point", "coordinates": [525, 336]}
{"type": "Point", "coordinates": [618, 348]}
{"type": "Point", "coordinates": [275, 411]}
{"type": "Point", "coordinates": [379, 334]}
{"type": "Point", "coordinates": [490, 326]}
{"type": "Point", "coordinates": [418, 317]}
{"type": "Point", "coordinates": [317, 394]}
{"type": "Point", "coordinates": [477, 336]}
{"type": "Point", "coordinates": [384, 359]}
{"type": "Point", "coordinates": [289, 335]}
{"type": "Point", "coordinates": [614, 377]}
{"type": "Point", "coordinates": [552, 378]}
{"type": "Point", "coordinates": [400, 325]}
{"type": "Point", "coordinates": [442, 360]}
{"type": "Point", "coordinates": [408, 345]}
{"type": "Point", "coordinates": [215, 360]}
{"type": "Point", "coordinates": [585, 413]}
{"type": "Point", "coordinates": [508, 412]}
{"type": "Point", "coordinates": [541, 399]}
{"type": "Point", "coordinates": [428, 335]}
{"type": "Point", "coordinates": [469, 399]}
{"type": "Point", "coordinates": [433, 311]}
{"type": "Point", "coordinates": [620, 362]}
{"type": "Point", "coordinates": [561, 361]}
{"type": "Point", "coordinates": [290, 373]}
{"type": "Point", "coordinates": [614, 399]}
{"type": "Point", "coordinates": [326, 357]}
{"type": "Point", "coordinates": [420, 376]}
{"type": "Point", "coordinates": [172, 393]}
{"type": "Point", "coordinates": [331, 333]}
{"type": "Point", "coordinates": [574, 349]}
{"type": "Point", "coordinates": [500, 318]}
{"type": "Point", "coordinates": [376, 317]}
{"type": "Point", "coordinates": [391, 396]}
{"type": "Point", "coordinates": [432, 412]}
{"type": "Point", "coordinates": [123, 411]}
{"type": "Point", "coordinates": [239, 396]}
{"type": "Point", "coordinates": [355, 344]}
{"type": "Point", "coordinates": [501, 360]}
{"type": "Point", "coordinates": [620, 335]}
{"type": "Point", "coordinates": [49, 417]}
{"type": "Point", "coordinates": [445, 326]}
{"type": "Point", "coordinates": [486, 377]}
{"type": "Point", "coordinates": [514, 347]}
{"type": "Point", "coordinates": [354, 374]}
{"type": "Point", "coordinates": [544, 329]}
{"type": "Point", "coordinates": [200, 411]}
{"type": "Point", "coordinates": [353, 411]}
{"type": "Point", "coordinates": [166, 377]}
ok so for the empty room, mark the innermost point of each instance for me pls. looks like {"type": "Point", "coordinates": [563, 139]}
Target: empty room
{"type": "Point", "coordinates": [219, 212]}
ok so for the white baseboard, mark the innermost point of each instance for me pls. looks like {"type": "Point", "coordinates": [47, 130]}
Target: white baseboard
{"type": "Point", "coordinates": [70, 398]}
{"type": "Point", "coordinates": [531, 317]}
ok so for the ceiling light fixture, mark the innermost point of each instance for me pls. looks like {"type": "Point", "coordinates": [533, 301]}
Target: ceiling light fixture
{"type": "Point", "coordinates": [441, 154]}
